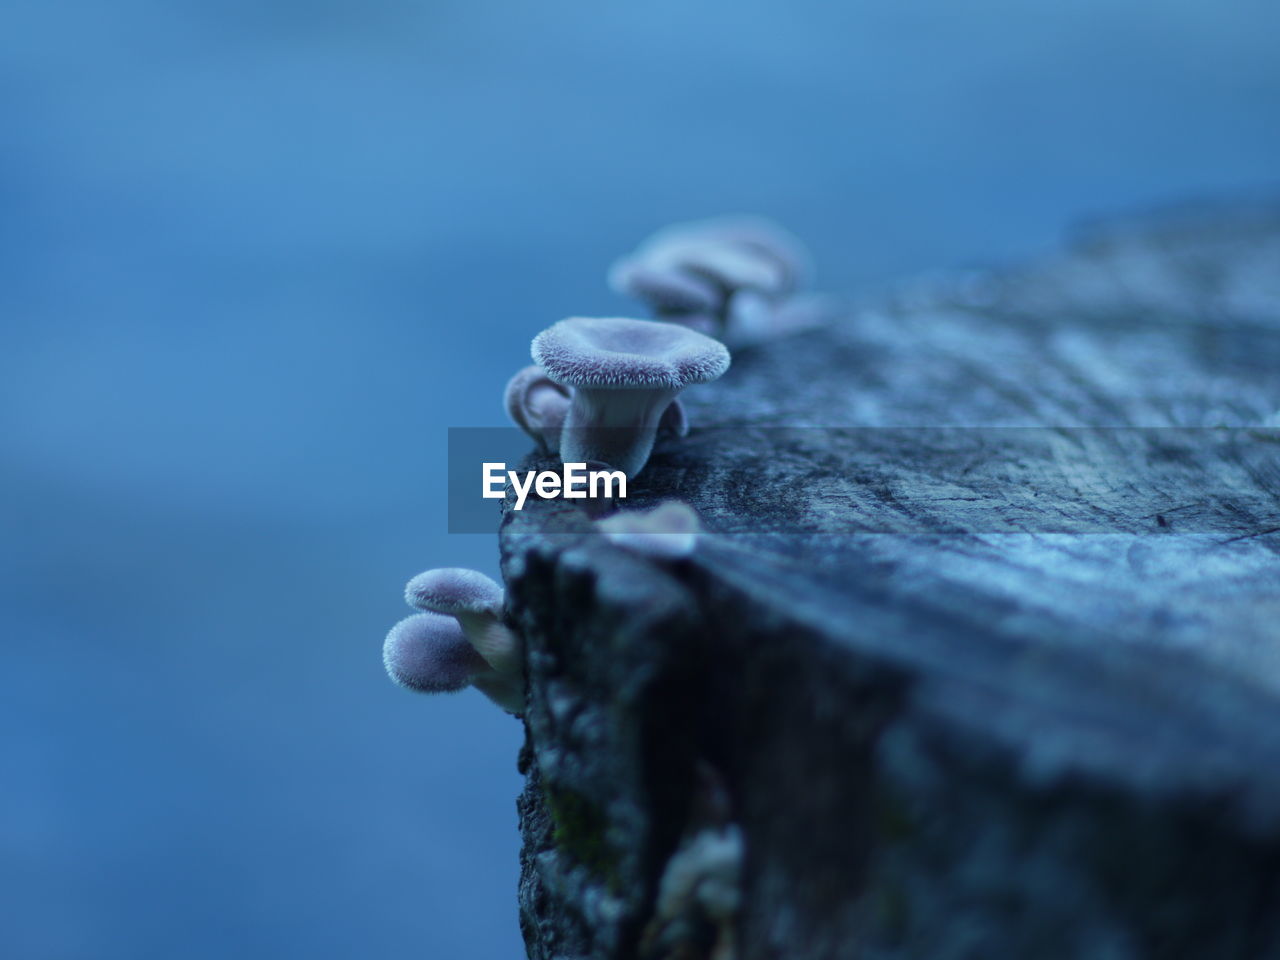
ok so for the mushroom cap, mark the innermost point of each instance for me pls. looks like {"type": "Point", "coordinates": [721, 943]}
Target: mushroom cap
{"type": "Point", "coordinates": [728, 265]}
{"type": "Point", "coordinates": [428, 652]}
{"type": "Point", "coordinates": [744, 231]}
{"type": "Point", "coordinates": [666, 287]}
{"type": "Point", "coordinates": [454, 590]}
{"type": "Point", "coordinates": [620, 353]}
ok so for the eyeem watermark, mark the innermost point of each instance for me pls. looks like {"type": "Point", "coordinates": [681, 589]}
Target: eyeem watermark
{"type": "Point", "coordinates": [892, 480]}
{"type": "Point", "coordinates": [574, 482]}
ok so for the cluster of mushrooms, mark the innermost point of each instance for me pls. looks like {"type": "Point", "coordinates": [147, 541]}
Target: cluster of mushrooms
{"type": "Point", "coordinates": [600, 392]}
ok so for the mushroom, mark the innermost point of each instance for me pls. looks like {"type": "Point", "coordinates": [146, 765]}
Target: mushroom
{"type": "Point", "coordinates": [537, 405]}
{"type": "Point", "coordinates": [723, 261]}
{"type": "Point", "coordinates": [475, 601]}
{"type": "Point", "coordinates": [624, 374]}
{"type": "Point", "coordinates": [729, 252]}
{"type": "Point", "coordinates": [668, 288]}
{"type": "Point", "coordinates": [429, 653]}
{"type": "Point", "coordinates": [667, 532]}
{"type": "Point", "coordinates": [756, 235]}
{"type": "Point", "coordinates": [750, 264]}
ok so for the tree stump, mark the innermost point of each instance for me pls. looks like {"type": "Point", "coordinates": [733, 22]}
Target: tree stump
{"type": "Point", "coordinates": [980, 657]}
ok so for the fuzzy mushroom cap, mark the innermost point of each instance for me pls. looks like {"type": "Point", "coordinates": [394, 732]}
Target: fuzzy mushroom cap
{"type": "Point", "coordinates": [620, 353]}
{"type": "Point", "coordinates": [454, 590]}
{"type": "Point", "coordinates": [756, 235]}
{"type": "Point", "coordinates": [429, 653]}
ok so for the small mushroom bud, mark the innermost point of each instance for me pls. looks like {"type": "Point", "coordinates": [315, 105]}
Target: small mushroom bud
{"type": "Point", "coordinates": [429, 653]}
{"type": "Point", "coordinates": [475, 601]}
{"type": "Point", "coordinates": [667, 532]}
{"type": "Point", "coordinates": [624, 374]}
{"type": "Point", "coordinates": [538, 405]}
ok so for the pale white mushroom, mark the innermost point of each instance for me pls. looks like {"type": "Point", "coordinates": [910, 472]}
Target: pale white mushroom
{"type": "Point", "coordinates": [732, 277]}
{"type": "Point", "coordinates": [428, 653]}
{"type": "Point", "coordinates": [624, 374]}
{"type": "Point", "coordinates": [537, 405]}
{"type": "Point", "coordinates": [476, 602]}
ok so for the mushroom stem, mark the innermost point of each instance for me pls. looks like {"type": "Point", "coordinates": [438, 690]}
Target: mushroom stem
{"type": "Point", "coordinates": [506, 691]}
{"type": "Point", "coordinates": [495, 642]}
{"type": "Point", "coordinates": [615, 426]}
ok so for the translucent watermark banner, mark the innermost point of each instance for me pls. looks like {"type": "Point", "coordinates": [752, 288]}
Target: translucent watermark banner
{"type": "Point", "coordinates": [909, 480]}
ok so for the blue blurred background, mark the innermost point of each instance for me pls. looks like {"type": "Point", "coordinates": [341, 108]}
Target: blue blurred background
{"type": "Point", "coordinates": [256, 256]}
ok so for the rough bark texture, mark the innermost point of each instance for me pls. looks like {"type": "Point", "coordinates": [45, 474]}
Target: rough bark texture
{"type": "Point", "coordinates": [943, 693]}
